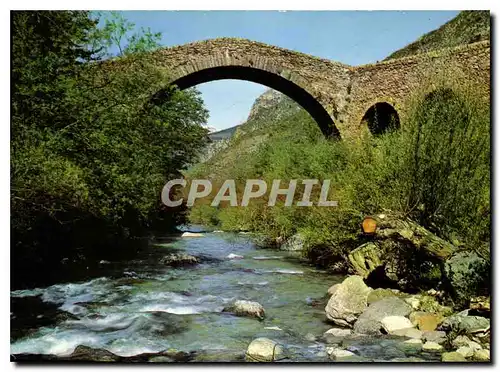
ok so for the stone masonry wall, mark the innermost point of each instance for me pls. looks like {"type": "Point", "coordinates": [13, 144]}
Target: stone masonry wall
{"type": "Point", "coordinates": [345, 92]}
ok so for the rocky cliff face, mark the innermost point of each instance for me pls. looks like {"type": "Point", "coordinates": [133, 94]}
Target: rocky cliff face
{"type": "Point", "coordinates": [270, 104]}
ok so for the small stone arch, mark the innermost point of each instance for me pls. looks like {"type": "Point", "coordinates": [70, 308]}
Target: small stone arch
{"type": "Point", "coordinates": [381, 118]}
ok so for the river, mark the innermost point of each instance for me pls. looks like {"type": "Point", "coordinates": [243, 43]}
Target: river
{"type": "Point", "coordinates": [141, 306]}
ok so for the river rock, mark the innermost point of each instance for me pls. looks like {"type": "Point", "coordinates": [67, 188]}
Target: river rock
{"type": "Point", "coordinates": [369, 322]}
{"type": "Point", "coordinates": [452, 357]}
{"type": "Point", "coordinates": [347, 301]}
{"type": "Point", "coordinates": [339, 354]}
{"type": "Point", "coordinates": [160, 359]}
{"type": "Point", "coordinates": [413, 341]}
{"type": "Point", "coordinates": [413, 301]}
{"type": "Point", "coordinates": [482, 355]}
{"type": "Point", "coordinates": [233, 256]}
{"type": "Point", "coordinates": [435, 336]}
{"type": "Point", "coordinates": [380, 293]}
{"type": "Point", "coordinates": [466, 351]}
{"type": "Point", "coordinates": [86, 353]}
{"type": "Point", "coordinates": [332, 289]}
{"type": "Point", "coordinates": [188, 234]}
{"type": "Point", "coordinates": [264, 350]}
{"type": "Point", "coordinates": [246, 308]}
{"type": "Point", "coordinates": [179, 259]}
{"type": "Point", "coordinates": [432, 347]}
{"type": "Point", "coordinates": [411, 345]}
{"type": "Point", "coordinates": [481, 305]}
{"type": "Point", "coordinates": [395, 324]}
{"type": "Point", "coordinates": [414, 333]}
{"type": "Point", "coordinates": [460, 341]}
{"type": "Point", "coordinates": [425, 321]}
{"type": "Point", "coordinates": [467, 273]}
{"type": "Point", "coordinates": [408, 360]}
{"type": "Point", "coordinates": [336, 335]}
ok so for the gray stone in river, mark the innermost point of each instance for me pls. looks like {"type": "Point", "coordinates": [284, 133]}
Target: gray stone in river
{"type": "Point", "coordinates": [264, 350]}
{"type": "Point", "coordinates": [336, 335]}
{"type": "Point", "coordinates": [348, 300]}
{"type": "Point", "coordinates": [452, 357]}
{"type": "Point", "coordinates": [179, 259]}
{"type": "Point", "coordinates": [462, 322]}
{"type": "Point", "coordinates": [246, 308]}
{"type": "Point", "coordinates": [370, 321]}
{"type": "Point", "coordinates": [435, 336]}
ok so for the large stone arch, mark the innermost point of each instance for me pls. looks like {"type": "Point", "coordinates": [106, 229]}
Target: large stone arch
{"type": "Point", "coordinates": [276, 82]}
{"type": "Point", "coordinates": [318, 85]}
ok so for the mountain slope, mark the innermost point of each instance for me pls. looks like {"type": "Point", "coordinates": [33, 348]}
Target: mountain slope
{"type": "Point", "coordinates": [467, 27]}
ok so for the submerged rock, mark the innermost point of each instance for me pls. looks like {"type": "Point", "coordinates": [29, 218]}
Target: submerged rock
{"type": "Point", "coordinates": [264, 350]}
{"type": "Point", "coordinates": [370, 321]}
{"type": "Point", "coordinates": [233, 256]}
{"type": "Point", "coordinates": [348, 300]}
{"type": "Point", "coordinates": [246, 308]}
{"type": "Point", "coordinates": [179, 259]}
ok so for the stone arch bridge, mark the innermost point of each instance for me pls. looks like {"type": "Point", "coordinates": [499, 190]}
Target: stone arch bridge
{"type": "Point", "coordinates": [337, 96]}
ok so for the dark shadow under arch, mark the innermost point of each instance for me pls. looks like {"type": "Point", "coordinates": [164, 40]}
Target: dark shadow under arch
{"type": "Point", "coordinates": [380, 118]}
{"type": "Point", "coordinates": [274, 81]}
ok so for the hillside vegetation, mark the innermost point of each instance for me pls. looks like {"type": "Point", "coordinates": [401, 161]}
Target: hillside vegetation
{"type": "Point", "coordinates": [434, 171]}
{"type": "Point", "coordinates": [89, 150]}
{"type": "Point", "coordinates": [467, 27]}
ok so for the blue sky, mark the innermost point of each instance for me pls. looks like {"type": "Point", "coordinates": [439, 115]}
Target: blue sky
{"type": "Point", "coordinates": [351, 37]}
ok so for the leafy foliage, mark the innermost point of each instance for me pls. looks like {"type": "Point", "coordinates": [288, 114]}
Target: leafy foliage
{"type": "Point", "coordinates": [90, 149]}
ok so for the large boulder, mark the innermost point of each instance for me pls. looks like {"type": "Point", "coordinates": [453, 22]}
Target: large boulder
{"type": "Point", "coordinates": [464, 323]}
{"type": "Point", "coordinates": [264, 350]}
{"type": "Point", "coordinates": [370, 321]}
{"type": "Point", "coordinates": [467, 274]}
{"type": "Point", "coordinates": [246, 308]}
{"type": "Point", "coordinates": [347, 301]}
{"type": "Point", "coordinates": [365, 259]}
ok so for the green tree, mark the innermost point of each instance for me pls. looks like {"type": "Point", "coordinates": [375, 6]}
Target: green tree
{"type": "Point", "coordinates": [90, 148]}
